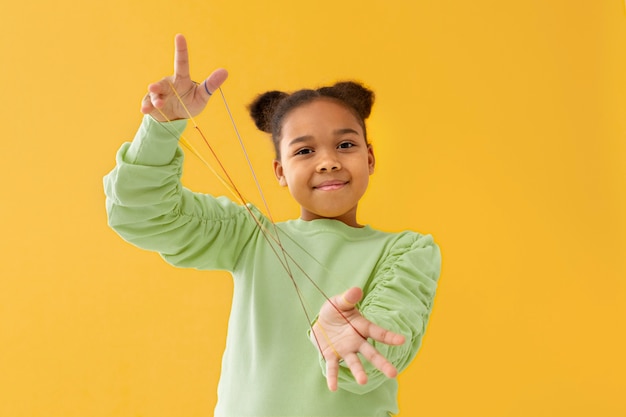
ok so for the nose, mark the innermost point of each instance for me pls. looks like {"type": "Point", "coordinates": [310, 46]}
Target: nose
{"type": "Point", "coordinates": [327, 163]}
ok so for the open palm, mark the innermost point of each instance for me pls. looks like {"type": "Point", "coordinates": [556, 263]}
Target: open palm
{"type": "Point", "coordinates": [342, 333]}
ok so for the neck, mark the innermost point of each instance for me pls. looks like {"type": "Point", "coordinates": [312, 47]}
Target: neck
{"type": "Point", "coordinates": [348, 218]}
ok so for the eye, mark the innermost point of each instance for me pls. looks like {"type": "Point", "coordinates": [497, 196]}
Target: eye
{"type": "Point", "coordinates": [303, 151]}
{"type": "Point", "coordinates": [346, 145]}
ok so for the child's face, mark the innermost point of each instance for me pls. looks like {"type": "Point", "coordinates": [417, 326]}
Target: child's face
{"type": "Point", "coordinates": [325, 160]}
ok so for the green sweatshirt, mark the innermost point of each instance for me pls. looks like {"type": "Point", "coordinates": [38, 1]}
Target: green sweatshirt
{"type": "Point", "coordinates": [269, 366]}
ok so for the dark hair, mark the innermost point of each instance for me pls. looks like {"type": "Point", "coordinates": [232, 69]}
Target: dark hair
{"type": "Point", "coordinates": [269, 109]}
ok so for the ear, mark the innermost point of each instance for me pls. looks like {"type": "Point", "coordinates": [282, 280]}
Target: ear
{"type": "Point", "coordinates": [371, 159]}
{"type": "Point", "coordinates": [278, 171]}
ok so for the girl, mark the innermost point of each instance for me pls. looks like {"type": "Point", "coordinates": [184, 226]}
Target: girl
{"type": "Point", "coordinates": [277, 363]}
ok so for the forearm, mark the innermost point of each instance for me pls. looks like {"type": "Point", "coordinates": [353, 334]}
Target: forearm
{"type": "Point", "coordinates": [148, 206]}
{"type": "Point", "coordinates": [145, 184]}
{"type": "Point", "coordinates": [399, 299]}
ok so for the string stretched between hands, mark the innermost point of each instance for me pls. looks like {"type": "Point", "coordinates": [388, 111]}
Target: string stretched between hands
{"type": "Point", "coordinates": [281, 253]}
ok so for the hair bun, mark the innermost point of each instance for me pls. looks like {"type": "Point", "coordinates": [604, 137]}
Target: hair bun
{"type": "Point", "coordinates": [352, 93]}
{"type": "Point", "coordinates": [263, 107]}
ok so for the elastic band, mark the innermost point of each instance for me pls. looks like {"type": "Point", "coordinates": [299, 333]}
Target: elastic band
{"type": "Point", "coordinates": [206, 88]}
{"type": "Point", "coordinates": [343, 297]}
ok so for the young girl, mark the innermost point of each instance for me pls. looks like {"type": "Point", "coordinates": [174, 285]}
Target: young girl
{"type": "Point", "coordinates": [381, 285]}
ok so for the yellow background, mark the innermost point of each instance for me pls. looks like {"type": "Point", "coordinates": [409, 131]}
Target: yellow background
{"type": "Point", "coordinates": [499, 127]}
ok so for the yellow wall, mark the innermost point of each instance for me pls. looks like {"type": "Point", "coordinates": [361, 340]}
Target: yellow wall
{"type": "Point", "coordinates": [499, 127]}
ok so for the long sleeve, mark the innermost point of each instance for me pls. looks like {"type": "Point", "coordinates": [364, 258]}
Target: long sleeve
{"type": "Point", "coordinates": [148, 206]}
{"type": "Point", "coordinates": [399, 298]}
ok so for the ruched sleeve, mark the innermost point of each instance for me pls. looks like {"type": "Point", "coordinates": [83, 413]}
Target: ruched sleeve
{"type": "Point", "coordinates": [148, 206]}
{"type": "Point", "coordinates": [399, 297]}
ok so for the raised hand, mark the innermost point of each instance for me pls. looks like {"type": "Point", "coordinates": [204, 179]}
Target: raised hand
{"type": "Point", "coordinates": [161, 101]}
{"type": "Point", "coordinates": [342, 336]}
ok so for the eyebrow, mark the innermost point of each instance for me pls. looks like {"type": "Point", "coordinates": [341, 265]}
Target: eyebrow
{"type": "Point", "coordinates": [300, 139]}
{"type": "Point", "coordinates": [337, 132]}
{"type": "Point", "coordinates": [340, 132]}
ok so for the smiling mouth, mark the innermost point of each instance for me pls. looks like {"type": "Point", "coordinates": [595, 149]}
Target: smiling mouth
{"type": "Point", "coordinates": [330, 185]}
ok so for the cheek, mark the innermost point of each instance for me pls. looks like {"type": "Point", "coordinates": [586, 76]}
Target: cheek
{"type": "Point", "coordinates": [290, 177]}
{"type": "Point", "coordinates": [294, 178]}
{"type": "Point", "coordinates": [366, 168]}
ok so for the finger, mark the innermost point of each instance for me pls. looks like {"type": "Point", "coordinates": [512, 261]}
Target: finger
{"type": "Point", "coordinates": [353, 362]}
{"type": "Point", "coordinates": [384, 336]}
{"type": "Point", "coordinates": [146, 104]}
{"type": "Point", "coordinates": [349, 299]}
{"type": "Point", "coordinates": [332, 372]}
{"type": "Point", "coordinates": [381, 363]}
{"type": "Point", "coordinates": [181, 57]}
{"type": "Point", "coordinates": [155, 94]}
{"type": "Point", "coordinates": [214, 81]}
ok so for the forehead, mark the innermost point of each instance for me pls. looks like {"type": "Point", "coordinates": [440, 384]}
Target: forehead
{"type": "Point", "coordinates": [318, 116]}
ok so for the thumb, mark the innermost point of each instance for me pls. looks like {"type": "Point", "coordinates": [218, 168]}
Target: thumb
{"type": "Point", "coordinates": [348, 300]}
{"type": "Point", "coordinates": [214, 81]}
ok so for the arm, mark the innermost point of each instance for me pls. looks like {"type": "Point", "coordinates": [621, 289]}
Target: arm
{"type": "Point", "coordinates": [148, 206]}
{"type": "Point", "coordinates": [392, 315]}
{"type": "Point", "coordinates": [146, 203]}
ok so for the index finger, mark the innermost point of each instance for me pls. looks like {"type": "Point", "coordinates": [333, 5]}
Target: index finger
{"type": "Point", "coordinates": [181, 57]}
